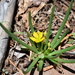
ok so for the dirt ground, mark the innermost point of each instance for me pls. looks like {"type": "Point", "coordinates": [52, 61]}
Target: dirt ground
{"type": "Point", "coordinates": [40, 11]}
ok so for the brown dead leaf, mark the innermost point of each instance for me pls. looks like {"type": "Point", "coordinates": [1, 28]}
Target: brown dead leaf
{"type": "Point", "coordinates": [34, 11]}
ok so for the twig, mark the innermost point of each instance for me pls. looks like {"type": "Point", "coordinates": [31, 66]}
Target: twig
{"type": "Point", "coordinates": [47, 68]}
{"type": "Point", "coordinates": [68, 45]}
{"type": "Point", "coordinates": [16, 67]}
{"type": "Point", "coordinates": [67, 4]}
{"type": "Point", "coordinates": [67, 23]}
{"type": "Point", "coordinates": [66, 37]}
{"type": "Point", "coordinates": [59, 48]}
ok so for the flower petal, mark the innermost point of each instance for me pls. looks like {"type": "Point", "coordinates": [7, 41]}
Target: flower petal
{"type": "Point", "coordinates": [42, 39]}
{"type": "Point", "coordinates": [35, 34]}
{"type": "Point", "coordinates": [40, 34]}
{"type": "Point", "coordinates": [33, 39]}
{"type": "Point", "coordinates": [37, 41]}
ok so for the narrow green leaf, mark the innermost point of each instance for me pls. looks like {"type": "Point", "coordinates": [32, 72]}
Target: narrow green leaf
{"type": "Point", "coordinates": [31, 65]}
{"type": "Point", "coordinates": [51, 57]}
{"type": "Point", "coordinates": [18, 40]}
{"type": "Point", "coordinates": [55, 62]}
{"type": "Point", "coordinates": [49, 27]}
{"type": "Point", "coordinates": [30, 22]}
{"type": "Point", "coordinates": [58, 41]}
{"type": "Point", "coordinates": [62, 25]}
{"type": "Point", "coordinates": [62, 50]}
{"type": "Point", "coordinates": [64, 61]}
{"type": "Point", "coordinates": [23, 48]}
{"type": "Point", "coordinates": [40, 65]}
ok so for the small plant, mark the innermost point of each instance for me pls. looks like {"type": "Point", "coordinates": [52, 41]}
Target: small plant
{"type": "Point", "coordinates": [41, 48]}
{"type": "Point", "coordinates": [4, 71]}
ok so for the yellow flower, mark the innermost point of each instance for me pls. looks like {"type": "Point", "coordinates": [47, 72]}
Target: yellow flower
{"type": "Point", "coordinates": [37, 37]}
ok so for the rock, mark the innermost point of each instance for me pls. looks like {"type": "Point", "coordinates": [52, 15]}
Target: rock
{"type": "Point", "coordinates": [6, 14]}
